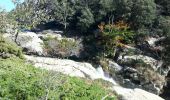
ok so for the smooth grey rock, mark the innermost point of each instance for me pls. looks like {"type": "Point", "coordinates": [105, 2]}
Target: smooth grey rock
{"type": "Point", "coordinates": [152, 41]}
{"type": "Point", "coordinates": [114, 66]}
{"type": "Point", "coordinates": [69, 67]}
{"type": "Point", "coordinates": [135, 94]}
{"type": "Point", "coordinates": [29, 41]}
{"type": "Point", "coordinates": [155, 64]}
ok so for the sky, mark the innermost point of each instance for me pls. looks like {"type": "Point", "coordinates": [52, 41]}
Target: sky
{"type": "Point", "coordinates": [7, 5]}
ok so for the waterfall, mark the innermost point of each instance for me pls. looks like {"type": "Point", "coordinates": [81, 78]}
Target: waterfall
{"type": "Point", "coordinates": [105, 76]}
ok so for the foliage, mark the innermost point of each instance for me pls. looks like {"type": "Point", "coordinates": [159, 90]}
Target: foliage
{"type": "Point", "coordinates": [101, 9]}
{"type": "Point", "coordinates": [23, 81]}
{"type": "Point", "coordinates": [18, 80]}
{"type": "Point", "coordinates": [65, 47]}
{"type": "Point", "coordinates": [123, 8]}
{"type": "Point", "coordinates": [143, 13]}
{"type": "Point", "coordinates": [7, 47]}
{"type": "Point", "coordinates": [163, 23]}
{"type": "Point", "coordinates": [65, 12]}
{"type": "Point", "coordinates": [3, 21]}
{"type": "Point", "coordinates": [62, 11]}
{"type": "Point", "coordinates": [85, 14]}
{"type": "Point", "coordinates": [30, 13]}
{"type": "Point", "coordinates": [137, 12]}
{"type": "Point", "coordinates": [115, 35]}
{"type": "Point", "coordinates": [85, 20]}
{"type": "Point", "coordinates": [165, 7]}
{"type": "Point", "coordinates": [77, 90]}
{"type": "Point", "coordinates": [6, 21]}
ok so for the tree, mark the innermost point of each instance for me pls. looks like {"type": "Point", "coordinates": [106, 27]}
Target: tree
{"type": "Point", "coordinates": [30, 13]}
{"type": "Point", "coordinates": [85, 20]}
{"type": "Point", "coordinates": [90, 13]}
{"type": "Point", "coordinates": [102, 9]}
{"type": "Point", "coordinates": [165, 5]}
{"type": "Point", "coordinates": [143, 13]}
{"type": "Point", "coordinates": [123, 9]}
{"type": "Point", "coordinates": [3, 21]}
{"type": "Point", "coordinates": [62, 11]}
{"type": "Point", "coordinates": [137, 12]}
{"type": "Point", "coordinates": [6, 21]}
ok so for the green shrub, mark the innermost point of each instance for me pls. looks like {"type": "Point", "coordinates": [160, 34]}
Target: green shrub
{"type": "Point", "coordinates": [20, 81]}
{"type": "Point", "coordinates": [76, 90]}
{"type": "Point", "coordinates": [7, 47]}
{"type": "Point", "coordinates": [115, 35]}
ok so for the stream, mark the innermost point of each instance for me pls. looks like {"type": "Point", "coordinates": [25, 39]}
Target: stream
{"type": "Point", "coordinates": [105, 76]}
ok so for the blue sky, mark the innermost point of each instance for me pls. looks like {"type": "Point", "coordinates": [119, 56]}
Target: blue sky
{"type": "Point", "coordinates": [7, 5]}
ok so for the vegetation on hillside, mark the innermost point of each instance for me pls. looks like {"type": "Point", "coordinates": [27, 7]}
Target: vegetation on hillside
{"type": "Point", "coordinates": [21, 81]}
{"type": "Point", "coordinates": [9, 49]}
{"type": "Point", "coordinates": [106, 26]}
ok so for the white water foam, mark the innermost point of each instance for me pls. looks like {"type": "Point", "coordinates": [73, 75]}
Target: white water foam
{"type": "Point", "coordinates": [105, 76]}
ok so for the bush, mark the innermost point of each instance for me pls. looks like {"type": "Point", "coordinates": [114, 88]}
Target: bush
{"type": "Point", "coordinates": [164, 24]}
{"type": "Point", "coordinates": [20, 81]}
{"type": "Point", "coordinates": [8, 48]}
{"type": "Point", "coordinates": [77, 90]}
{"type": "Point", "coordinates": [137, 12]}
{"type": "Point", "coordinates": [115, 35]}
{"type": "Point", "coordinates": [63, 48]}
{"type": "Point", "coordinates": [7, 21]}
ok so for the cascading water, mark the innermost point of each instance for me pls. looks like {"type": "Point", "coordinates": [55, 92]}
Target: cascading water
{"type": "Point", "coordinates": [105, 76]}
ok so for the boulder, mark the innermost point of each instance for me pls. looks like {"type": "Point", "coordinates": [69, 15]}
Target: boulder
{"type": "Point", "coordinates": [113, 65]}
{"type": "Point", "coordinates": [155, 64]}
{"type": "Point", "coordinates": [152, 41]}
{"type": "Point", "coordinates": [70, 67]}
{"type": "Point", "coordinates": [142, 72]}
{"type": "Point", "coordinates": [65, 66]}
{"type": "Point", "coordinates": [29, 41]}
{"type": "Point", "coordinates": [50, 35]}
{"type": "Point", "coordinates": [110, 65]}
{"type": "Point", "coordinates": [134, 94]}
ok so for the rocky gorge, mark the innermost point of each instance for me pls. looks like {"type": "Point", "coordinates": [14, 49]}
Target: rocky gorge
{"type": "Point", "coordinates": [130, 79]}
